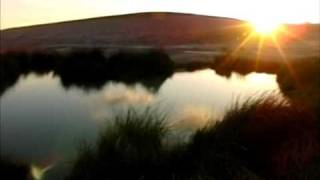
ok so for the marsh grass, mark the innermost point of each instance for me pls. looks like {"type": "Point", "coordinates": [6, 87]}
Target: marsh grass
{"type": "Point", "coordinates": [13, 169]}
{"type": "Point", "coordinates": [274, 138]}
{"type": "Point", "coordinates": [263, 138]}
{"type": "Point", "coordinates": [133, 145]}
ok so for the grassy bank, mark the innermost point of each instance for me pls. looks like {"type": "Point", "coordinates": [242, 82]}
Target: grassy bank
{"type": "Point", "coordinates": [261, 139]}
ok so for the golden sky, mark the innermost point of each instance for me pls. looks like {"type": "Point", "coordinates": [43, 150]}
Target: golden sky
{"type": "Point", "coordinates": [16, 13]}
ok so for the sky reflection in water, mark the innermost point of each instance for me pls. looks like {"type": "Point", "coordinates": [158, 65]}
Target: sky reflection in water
{"type": "Point", "coordinates": [41, 122]}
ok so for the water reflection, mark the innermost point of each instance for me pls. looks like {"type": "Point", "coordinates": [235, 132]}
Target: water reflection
{"type": "Point", "coordinates": [46, 111]}
{"type": "Point", "coordinates": [42, 122]}
{"type": "Point", "coordinates": [207, 89]}
{"type": "Point", "coordinates": [121, 94]}
{"type": "Point", "coordinates": [115, 98]}
{"type": "Point", "coordinates": [48, 120]}
{"type": "Point", "coordinates": [192, 117]}
{"type": "Point", "coordinates": [88, 69]}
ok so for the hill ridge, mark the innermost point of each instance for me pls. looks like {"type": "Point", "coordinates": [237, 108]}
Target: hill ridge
{"type": "Point", "coordinates": [150, 13]}
{"type": "Point", "coordinates": [151, 28]}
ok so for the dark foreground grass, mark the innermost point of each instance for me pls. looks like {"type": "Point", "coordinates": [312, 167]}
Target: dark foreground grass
{"type": "Point", "coordinates": [275, 139]}
{"type": "Point", "coordinates": [14, 170]}
{"type": "Point", "coordinates": [260, 139]}
{"type": "Point", "coordinates": [132, 147]}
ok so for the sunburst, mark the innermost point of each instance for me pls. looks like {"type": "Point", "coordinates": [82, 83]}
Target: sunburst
{"type": "Point", "coordinates": [266, 32]}
{"type": "Point", "coordinates": [267, 28]}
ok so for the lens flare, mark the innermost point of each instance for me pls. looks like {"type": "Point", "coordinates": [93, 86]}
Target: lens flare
{"type": "Point", "coordinates": [265, 27]}
{"type": "Point", "coordinates": [38, 172]}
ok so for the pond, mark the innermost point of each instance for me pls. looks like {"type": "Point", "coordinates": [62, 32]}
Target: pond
{"type": "Point", "coordinates": [43, 122]}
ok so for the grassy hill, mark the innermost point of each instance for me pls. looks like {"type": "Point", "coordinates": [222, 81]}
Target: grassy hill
{"type": "Point", "coordinates": [144, 29]}
{"type": "Point", "coordinates": [185, 37]}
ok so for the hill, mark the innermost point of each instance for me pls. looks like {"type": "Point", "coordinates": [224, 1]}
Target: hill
{"type": "Point", "coordinates": [142, 29]}
{"type": "Point", "coordinates": [185, 37]}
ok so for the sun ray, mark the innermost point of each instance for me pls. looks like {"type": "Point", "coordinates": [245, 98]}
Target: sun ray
{"type": "Point", "coordinates": [231, 56]}
{"type": "Point", "coordinates": [287, 32]}
{"type": "Point", "coordinates": [285, 60]}
{"type": "Point", "coordinates": [243, 43]}
{"type": "Point", "coordinates": [238, 26]}
{"type": "Point", "coordinates": [260, 46]}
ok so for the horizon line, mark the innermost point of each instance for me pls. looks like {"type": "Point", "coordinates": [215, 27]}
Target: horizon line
{"type": "Point", "coordinates": [137, 13]}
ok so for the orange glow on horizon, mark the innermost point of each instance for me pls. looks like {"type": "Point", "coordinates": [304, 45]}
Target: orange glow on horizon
{"type": "Point", "coordinates": [268, 28]}
{"type": "Point", "coordinates": [16, 13]}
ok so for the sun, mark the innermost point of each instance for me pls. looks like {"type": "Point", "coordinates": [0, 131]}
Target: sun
{"type": "Point", "coordinates": [265, 28]}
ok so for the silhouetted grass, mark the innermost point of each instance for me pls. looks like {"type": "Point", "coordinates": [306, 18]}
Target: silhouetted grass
{"type": "Point", "coordinates": [13, 170]}
{"type": "Point", "coordinates": [132, 147]}
{"type": "Point", "coordinates": [264, 138]}
{"type": "Point", "coordinates": [276, 139]}
{"type": "Point", "coordinates": [312, 172]}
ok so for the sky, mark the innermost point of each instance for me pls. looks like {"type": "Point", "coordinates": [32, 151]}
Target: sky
{"type": "Point", "coordinates": [15, 13]}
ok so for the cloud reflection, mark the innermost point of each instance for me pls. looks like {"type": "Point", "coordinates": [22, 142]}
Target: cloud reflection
{"type": "Point", "coordinates": [117, 97]}
{"type": "Point", "coordinates": [119, 93]}
{"type": "Point", "coordinates": [193, 117]}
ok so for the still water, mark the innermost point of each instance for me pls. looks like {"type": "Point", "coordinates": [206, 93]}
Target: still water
{"type": "Point", "coordinates": [43, 123]}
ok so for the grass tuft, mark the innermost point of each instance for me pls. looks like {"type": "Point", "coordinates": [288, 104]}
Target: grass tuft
{"type": "Point", "coordinates": [263, 138]}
